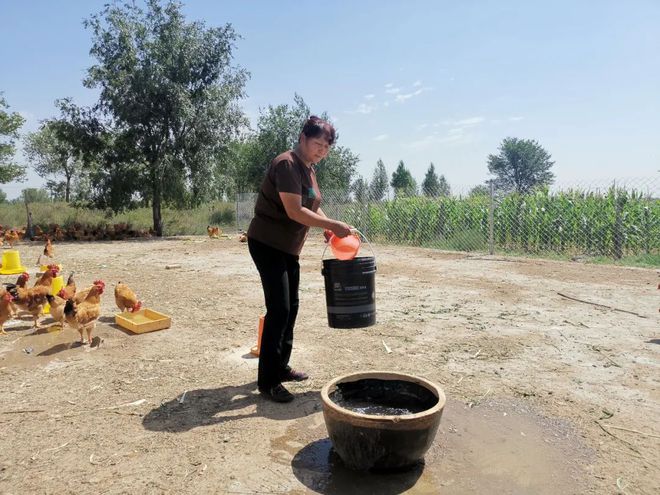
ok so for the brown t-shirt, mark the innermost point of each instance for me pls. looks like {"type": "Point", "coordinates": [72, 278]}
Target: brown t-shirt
{"type": "Point", "coordinates": [271, 225]}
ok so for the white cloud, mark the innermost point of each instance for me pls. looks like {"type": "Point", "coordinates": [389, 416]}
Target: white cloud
{"type": "Point", "coordinates": [365, 109]}
{"type": "Point", "coordinates": [403, 97]}
{"type": "Point", "coordinates": [392, 91]}
{"type": "Point", "coordinates": [381, 137]}
{"type": "Point", "coordinates": [369, 97]}
{"type": "Point", "coordinates": [469, 121]}
{"type": "Point", "coordinates": [515, 119]}
{"type": "Point", "coordinates": [389, 85]}
{"type": "Point", "coordinates": [417, 83]}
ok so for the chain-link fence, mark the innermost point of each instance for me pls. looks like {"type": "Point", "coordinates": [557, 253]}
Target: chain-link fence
{"type": "Point", "coordinates": [613, 219]}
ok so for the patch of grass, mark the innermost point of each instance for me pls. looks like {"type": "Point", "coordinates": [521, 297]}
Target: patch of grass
{"type": "Point", "coordinates": [640, 260]}
{"type": "Point", "coordinates": [175, 222]}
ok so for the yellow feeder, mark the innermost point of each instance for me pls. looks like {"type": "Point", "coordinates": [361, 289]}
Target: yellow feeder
{"type": "Point", "coordinates": [56, 286]}
{"type": "Point", "coordinates": [11, 263]}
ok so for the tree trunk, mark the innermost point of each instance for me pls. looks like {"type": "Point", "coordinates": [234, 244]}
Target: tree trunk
{"type": "Point", "coordinates": [155, 203]}
{"type": "Point", "coordinates": [67, 189]}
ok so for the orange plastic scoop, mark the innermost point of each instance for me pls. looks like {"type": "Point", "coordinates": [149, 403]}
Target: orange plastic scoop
{"type": "Point", "coordinates": [345, 248]}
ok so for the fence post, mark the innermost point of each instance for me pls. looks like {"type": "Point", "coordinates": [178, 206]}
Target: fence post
{"type": "Point", "coordinates": [491, 214]}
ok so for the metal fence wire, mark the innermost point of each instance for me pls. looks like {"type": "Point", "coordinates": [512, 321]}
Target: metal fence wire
{"type": "Point", "coordinates": [612, 219]}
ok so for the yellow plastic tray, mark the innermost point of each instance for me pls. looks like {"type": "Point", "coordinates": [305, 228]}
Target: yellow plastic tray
{"type": "Point", "coordinates": [145, 320]}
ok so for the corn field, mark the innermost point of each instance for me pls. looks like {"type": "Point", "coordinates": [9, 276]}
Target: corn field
{"type": "Point", "coordinates": [615, 222]}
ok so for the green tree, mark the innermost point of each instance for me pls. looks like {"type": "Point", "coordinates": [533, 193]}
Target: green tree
{"type": "Point", "coordinates": [168, 89]}
{"type": "Point", "coordinates": [402, 181]}
{"type": "Point", "coordinates": [10, 123]}
{"type": "Point", "coordinates": [521, 165]}
{"type": "Point", "coordinates": [33, 195]}
{"type": "Point", "coordinates": [278, 130]}
{"type": "Point", "coordinates": [335, 172]}
{"type": "Point", "coordinates": [360, 189]}
{"type": "Point", "coordinates": [3, 197]}
{"type": "Point", "coordinates": [430, 184]}
{"type": "Point", "coordinates": [60, 148]}
{"type": "Point", "coordinates": [444, 189]}
{"type": "Point", "coordinates": [378, 185]}
{"type": "Point", "coordinates": [480, 190]}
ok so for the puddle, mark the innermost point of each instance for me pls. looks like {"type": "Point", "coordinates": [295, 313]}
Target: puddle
{"type": "Point", "coordinates": [499, 447]}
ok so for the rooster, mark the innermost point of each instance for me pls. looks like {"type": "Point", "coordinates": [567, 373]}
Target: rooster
{"type": "Point", "coordinates": [69, 290]}
{"type": "Point", "coordinates": [6, 311]}
{"type": "Point", "coordinates": [126, 299]}
{"type": "Point", "coordinates": [82, 316]}
{"type": "Point", "coordinates": [213, 232]}
{"type": "Point", "coordinates": [82, 295]}
{"type": "Point", "coordinates": [46, 279]}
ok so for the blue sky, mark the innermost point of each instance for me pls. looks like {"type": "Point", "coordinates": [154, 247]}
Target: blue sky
{"type": "Point", "coordinates": [418, 81]}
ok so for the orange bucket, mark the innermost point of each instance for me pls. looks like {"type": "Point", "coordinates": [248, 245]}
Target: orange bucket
{"type": "Point", "coordinates": [257, 348]}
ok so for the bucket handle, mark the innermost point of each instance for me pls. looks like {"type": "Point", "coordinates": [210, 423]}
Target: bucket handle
{"type": "Point", "coordinates": [352, 231]}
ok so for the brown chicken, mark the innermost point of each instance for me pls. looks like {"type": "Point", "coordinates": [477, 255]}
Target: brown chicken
{"type": "Point", "coordinates": [6, 311]}
{"type": "Point", "coordinates": [126, 299]}
{"type": "Point", "coordinates": [48, 250]}
{"type": "Point", "coordinates": [213, 232]}
{"type": "Point", "coordinates": [46, 279]}
{"type": "Point", "coordinates": [82, 295]}
{"type": "Point", "coordinates": [11, 237]}
{"type": "Point", "coordinates": [82, 316]}
{"type": "Point", "coordinates": [57, 304]}
{"type": "Point", "coordinates": [69, 290]}
{"type": "Point", "coordinates": [32, 300]}
{"type": "Point", "coordinates": [21, 282]}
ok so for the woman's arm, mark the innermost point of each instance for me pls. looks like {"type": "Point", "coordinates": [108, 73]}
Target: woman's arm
{"type": "Point", "coordinates": [297, 212]}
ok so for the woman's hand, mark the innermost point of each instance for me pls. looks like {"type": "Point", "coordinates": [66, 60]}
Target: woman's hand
{"type": "Point", "coordinates": [341, 229]}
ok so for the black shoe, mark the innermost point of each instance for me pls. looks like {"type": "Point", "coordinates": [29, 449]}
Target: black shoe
{"type": "Point", "coordinates": [277, 393]}
{"type": "Point", "coordinates": [292, 375]}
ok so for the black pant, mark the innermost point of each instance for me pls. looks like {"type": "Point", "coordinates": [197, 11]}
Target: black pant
{"type": "Point", "coordinates": [280, 279]}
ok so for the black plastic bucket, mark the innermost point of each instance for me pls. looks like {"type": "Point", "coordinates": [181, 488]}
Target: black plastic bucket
{"type": "Point", "coordinates": [350, 292]}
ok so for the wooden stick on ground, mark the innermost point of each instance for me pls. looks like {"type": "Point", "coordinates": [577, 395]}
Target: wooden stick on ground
{"type": "Point", "coordinates": [601, 305]}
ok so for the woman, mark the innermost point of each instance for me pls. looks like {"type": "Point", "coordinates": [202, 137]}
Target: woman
{"type": "Point", "coordinates": [287, 206]}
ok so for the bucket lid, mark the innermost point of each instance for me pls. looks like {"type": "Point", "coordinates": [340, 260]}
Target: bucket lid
{"type": "Point", "coordinates": [345, 248]}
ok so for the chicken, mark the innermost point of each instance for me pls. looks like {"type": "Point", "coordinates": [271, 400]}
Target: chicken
{"type": "Point", "coordinates": [126, 299]}
{"type": "Point", "coordinates": [32, 300]}
{"type": "Point", "coordinates": [213, 232]}
{"type": "Point", "coordinates": [242, 237]}
{"type": "Point", "coordinates": [11, 237]}
{"type": "Point", "coordinates": [82, 316]}
{"type": "Point", "coordinates": [57, 304]}
{"type": "Point", "coordinates": [21, 283]}
{"type": "Point", "coordinates": [46, 279]}
{"type": "Point", "coordinates": [69, 290]}
{"type": "Point", "coordinates": [82, 295]}
{"type": "Point", "coordinates": [48, 250]}
{"type": "Point", "coordinates": [6, 311]}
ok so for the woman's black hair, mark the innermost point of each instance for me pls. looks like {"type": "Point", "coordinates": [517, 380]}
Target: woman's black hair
{"type": "Point", "coordinates": [316, 127]}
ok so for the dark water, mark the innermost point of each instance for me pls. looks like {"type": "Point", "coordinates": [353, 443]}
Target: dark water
{"type": "Point", "coordinates": [383, 397]}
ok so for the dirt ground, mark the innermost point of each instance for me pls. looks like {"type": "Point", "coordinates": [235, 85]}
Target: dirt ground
{"type": "Point", "coordinates": [546, 394]}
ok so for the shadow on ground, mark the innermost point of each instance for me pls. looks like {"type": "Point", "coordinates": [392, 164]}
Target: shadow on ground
{"type": "Point", "coordinates": [205, 407]}
{"type": "Point", "coordinates": [319, 468]}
